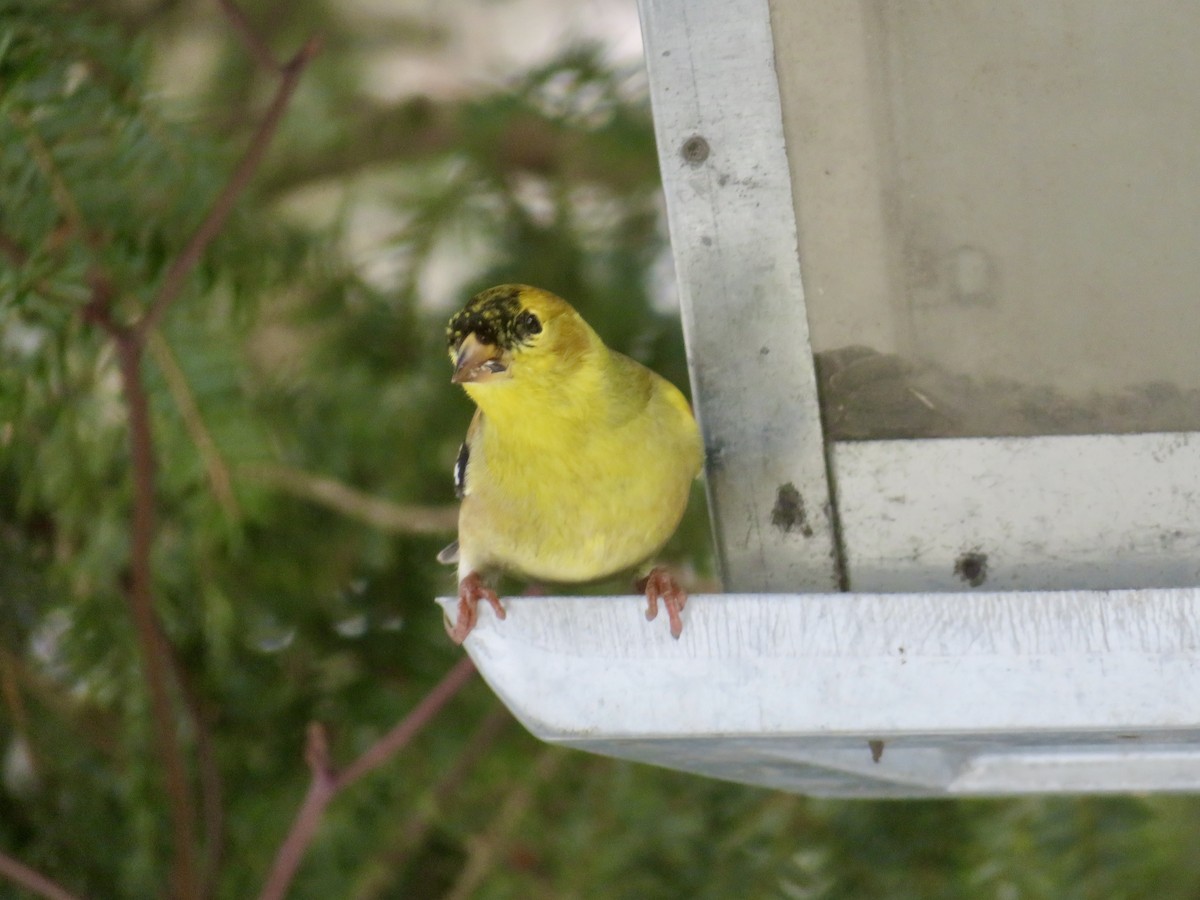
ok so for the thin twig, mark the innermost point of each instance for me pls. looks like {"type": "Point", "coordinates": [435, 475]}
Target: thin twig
{"type": "Point", "coordinates": [154, 649]}
{"type": "Point", "coordinates": [211, 787]}
{"type": "Point", "coordinates": [383, 514]}
{"type": "Point", "coordinates": [141, 599]}
{"type": "Point", "coordinates": [44, 160]}
{"type": "Point", "coordinates": [403, 732]}
{"type": "Point", "coordinates": [183, 264]}
{"type": "Point", "coordinates": [326, 783]}
{"type": "Point", "coordinates": [308, 817]}
{"type": "Point", "coordinates": [212, 795]}
{"type": "Point", "coordinates": [255, 45]}
{"type": "Point", "coordinates": [193, 420]}
{"type": "Point", "coordinates": [32, 880]}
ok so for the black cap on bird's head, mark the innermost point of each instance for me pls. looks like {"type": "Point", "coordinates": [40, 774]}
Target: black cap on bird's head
{"type": "Point", "coordinates": [483, 336]}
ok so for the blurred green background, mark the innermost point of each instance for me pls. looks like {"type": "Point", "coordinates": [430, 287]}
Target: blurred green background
{"type": "Point", "coordinates": [305, 430]}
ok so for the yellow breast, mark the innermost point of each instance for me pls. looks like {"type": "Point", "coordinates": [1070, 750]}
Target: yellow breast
{"type": "Point", "coordinates": [580, 476]}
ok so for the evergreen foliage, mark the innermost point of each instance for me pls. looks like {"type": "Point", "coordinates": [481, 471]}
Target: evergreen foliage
{"type": "Point", "coordinates": [307, 349]}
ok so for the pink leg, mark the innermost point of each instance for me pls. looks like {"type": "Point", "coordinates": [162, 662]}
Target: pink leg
{"type": "Point", "coordinates": [470, 591]}
{"type": "Point", "coordinates": [659, 583]}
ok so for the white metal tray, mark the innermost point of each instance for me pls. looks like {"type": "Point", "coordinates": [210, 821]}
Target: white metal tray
{"type": "Point", "coordinates": [933, 694]}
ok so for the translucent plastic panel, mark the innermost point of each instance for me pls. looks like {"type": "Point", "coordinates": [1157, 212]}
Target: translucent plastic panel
{"type": "Point", "coordinates": [999, 212]}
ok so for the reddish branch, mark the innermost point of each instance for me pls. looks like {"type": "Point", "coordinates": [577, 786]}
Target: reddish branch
{"type": "Point", "coordinates": [255, 45]}
{"type": "Point", "coordinates": [155, 653]}
{"type": "Point", "coordinates": [31, 880]}
{"type": "Point", "coordinates": [218, 213]}
{"type": "Point", "coordinates": [326, 783]}
{"type": "Point", "coordinates": [211, 788]}
{"type": "Point", "coordinates": [141, 601]}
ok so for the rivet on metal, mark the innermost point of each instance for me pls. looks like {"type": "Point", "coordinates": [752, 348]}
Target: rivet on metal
{"type": "Point", "coordinates": [694, 150]}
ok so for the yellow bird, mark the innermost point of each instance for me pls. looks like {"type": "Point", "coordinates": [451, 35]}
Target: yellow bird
{"type": "Point", "coordinates": [579, 461]}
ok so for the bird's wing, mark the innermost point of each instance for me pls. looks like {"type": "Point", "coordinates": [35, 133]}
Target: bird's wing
{"type": "Point", "coordinates": [460, 470]}
{"type": "Point", "coordinates": [449, 553]}
{"type": "Point", "coordinates": [464, 456]}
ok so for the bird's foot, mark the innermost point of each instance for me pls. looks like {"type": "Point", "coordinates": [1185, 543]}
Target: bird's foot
{"type": "Point", "coordinates": [470, 591]}
{"type": "Point", "coordinates": [659, 584]}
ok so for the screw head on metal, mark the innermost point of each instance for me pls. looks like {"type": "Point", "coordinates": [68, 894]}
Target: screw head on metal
{"type": "Point", "coordinates": [694, 150]}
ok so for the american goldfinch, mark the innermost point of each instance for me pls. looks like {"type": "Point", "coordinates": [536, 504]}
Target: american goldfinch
{"type": "Point", "coordinates": [579, 461]}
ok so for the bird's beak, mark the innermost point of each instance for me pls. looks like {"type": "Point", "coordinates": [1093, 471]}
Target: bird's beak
{"type": "Point", "coordinates": [477, 361]}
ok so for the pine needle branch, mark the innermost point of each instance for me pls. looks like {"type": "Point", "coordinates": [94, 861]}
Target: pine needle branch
{"type": "Point", "coordinates": [130, 343]}
{"type": "Point", "coordinates": [382, 514]}
{"type": "Point", "coordinates": [189, 410]}
{"type": "Point", "coordinates": [485, 850]}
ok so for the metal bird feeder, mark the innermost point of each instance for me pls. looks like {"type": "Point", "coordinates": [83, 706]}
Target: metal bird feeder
{"type": "Point", "coordinates": [940, 275]}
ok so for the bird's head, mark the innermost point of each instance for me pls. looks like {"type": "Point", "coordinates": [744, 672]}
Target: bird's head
{"type": "Point", "coordinates": [514, 332]}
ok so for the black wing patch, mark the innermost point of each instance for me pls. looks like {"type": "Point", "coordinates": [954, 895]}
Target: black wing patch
{"type": "Point", "coordinates": [460, 471]}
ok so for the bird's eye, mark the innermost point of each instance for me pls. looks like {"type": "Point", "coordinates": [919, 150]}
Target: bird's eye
{"type": "Point", "coordinates": [528, 325]}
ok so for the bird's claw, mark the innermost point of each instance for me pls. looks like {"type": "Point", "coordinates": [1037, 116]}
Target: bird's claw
{"type": "Point", "coordinates": [659, 584]}
{"type": "Point", "coordinates": [470, 591]}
